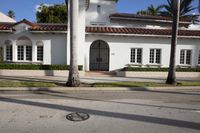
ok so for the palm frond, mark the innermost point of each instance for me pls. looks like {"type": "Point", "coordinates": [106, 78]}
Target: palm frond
{"type": "Point", "coordinates": [185, 8]}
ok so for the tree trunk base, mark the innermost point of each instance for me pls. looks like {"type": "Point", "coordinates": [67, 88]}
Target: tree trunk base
{"type": "Point", "coordinates": [73, 82]}
{"type": "Point", "coordinates": [171, 81]}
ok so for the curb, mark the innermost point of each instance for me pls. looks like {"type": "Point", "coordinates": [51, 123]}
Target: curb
{"type": "Point", "coordinates": [185, 88]}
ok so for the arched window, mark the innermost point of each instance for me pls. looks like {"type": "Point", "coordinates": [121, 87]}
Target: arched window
{"type": "Point", "coordinates": [40, 51]}
{"type": "Point", "coordinates": [24, 49]}
{"type": "Point", "coordinates": [9, 50]}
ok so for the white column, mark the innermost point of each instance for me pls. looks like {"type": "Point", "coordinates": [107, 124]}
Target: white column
{"type": "Point", "coordinates": [4, 52]}
{"type": "Point", "coordinates": [47, 52]}
{"type": "Point", "coordinates": [34, 51]}
{"type": "Point", "coordinates": [145, 55]}
{"type": "Point", "coordinates": [14, 46]}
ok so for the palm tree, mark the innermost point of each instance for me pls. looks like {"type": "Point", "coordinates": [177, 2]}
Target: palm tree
{"type": "Point", "coordinates": [73, 79]}
{"type": "Point", "coordinates": [185, 8]}
{"type": "Point", "coordinates": [151, 10]}
{"type": "Point", "coordinates": [171, 79]}
{"type": "Point", "coordinates": [154, 10]}
{"type": "Point", "coordinates": [11, 14]}
{"type": "Point", "coordinates": [199, 6]}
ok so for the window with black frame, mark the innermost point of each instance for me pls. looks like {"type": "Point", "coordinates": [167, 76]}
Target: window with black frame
{"type": "Point", "coordinates": [199, 58]}
{"type": "Point", "coordinates": [185, 57]}
{"type": "Point", "coordinates": [1, 54]}
{"type": "Point", "coordinates": [8, 50]}
{"type": "Point", "coordinates": [136, 56]}
{"type": "Point", "coordinates": [155, 56]}
{"type": "Point", "coordinates": [40, 53]}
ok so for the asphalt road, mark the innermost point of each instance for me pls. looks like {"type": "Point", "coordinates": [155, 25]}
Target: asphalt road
{"type": "Point", "coordinates": [110, 112]}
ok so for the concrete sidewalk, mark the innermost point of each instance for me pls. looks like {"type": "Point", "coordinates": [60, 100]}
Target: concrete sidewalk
{"type": "Point", "coordinates": [87, 79]}
{"type": "Point", "coordinates": [54, 89]}
{"type": "Point", "coordinates": [92, 79]}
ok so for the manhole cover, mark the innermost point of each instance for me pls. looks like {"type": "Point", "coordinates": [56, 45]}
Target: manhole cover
{"type": "Point", "coordinates": [78, 116]}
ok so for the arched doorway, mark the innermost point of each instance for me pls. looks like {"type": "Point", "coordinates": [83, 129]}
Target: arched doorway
{"type": "Point", "coordinates": [99, 56]}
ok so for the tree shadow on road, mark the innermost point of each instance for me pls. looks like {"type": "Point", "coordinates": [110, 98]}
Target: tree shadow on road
{"type": "Point", "coordinates": [133, 117]}
{"type": "Point", "coordinates": [65, 95]}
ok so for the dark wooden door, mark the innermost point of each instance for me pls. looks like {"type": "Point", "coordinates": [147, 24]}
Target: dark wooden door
{"type": "Point", "coordinates": [99, 56]}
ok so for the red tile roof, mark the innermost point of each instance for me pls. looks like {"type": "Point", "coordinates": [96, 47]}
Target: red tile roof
{"type": "Point", "coordinates": [142, 31]}
{"type": "Point", "coordinates": [6, 26]}
{"type": "Point", "coordinates": [26, 22]}
{"type": "Point", "coordinates": [112, 30]}
{"type": "Point", "coordinates": [49, 27]}
{"type": "Point", "coordinates": [35, 26]}
{"type": "Point", "coordinates": [145, 17]}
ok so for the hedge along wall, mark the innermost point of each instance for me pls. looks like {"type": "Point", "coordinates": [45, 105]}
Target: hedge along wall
{"type": "Point", "coordinates": [160, 69]}
{"type": "Point", "coordinates": [36, 67]}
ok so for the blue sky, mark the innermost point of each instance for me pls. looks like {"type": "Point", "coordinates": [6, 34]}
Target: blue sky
{"type": "Point", "coordinates": [27, 8]}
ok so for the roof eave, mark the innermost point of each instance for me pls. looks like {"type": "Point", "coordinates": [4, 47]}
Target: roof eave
{"type": "Point", "coordinates": [55, 32]}
{"type": "Point", "coordinates": [141, 35]}
{"type": "Point", "coordinates": [147, 20]}
{"type": "Point", "coordinates": [6, 31]}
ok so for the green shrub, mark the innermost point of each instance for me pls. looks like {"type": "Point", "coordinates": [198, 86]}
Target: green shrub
{"type": "Point", "coordinates": [160, 69]}
{"type": "Point", "coordinates": [36, 67]}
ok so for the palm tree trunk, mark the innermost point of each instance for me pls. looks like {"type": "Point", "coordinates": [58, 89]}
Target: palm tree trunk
{"type": "Point", "coordinates": [73, 79]}
{"type": "Point", "coordinates": [199, 7]}
{"type": "Point", "coordinates": [171, 79]}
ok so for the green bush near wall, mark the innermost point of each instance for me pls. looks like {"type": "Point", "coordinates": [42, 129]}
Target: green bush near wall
{"type": "Point", "coordinates": [36, 67]}
{"type": "Point", "coordinates": [160, 69]}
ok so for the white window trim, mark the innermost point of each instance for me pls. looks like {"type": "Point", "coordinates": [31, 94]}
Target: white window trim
{"type": "Point", "coordinates": [24, 54]}
{"type": "Point", "coordinates": [155, 64]}
{"type": "Point", "coordinates": [136, 51]}
{"type": "Point", "coordinates": [185, 59]}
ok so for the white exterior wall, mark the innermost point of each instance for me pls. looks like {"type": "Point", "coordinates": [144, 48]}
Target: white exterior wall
{"type": "Point", "coordinates": [190, 44]}
{"type": "Point", "coordinates": [57, 48]}
{"type": "Point", "coordinates": [107, 7]}
{"type": "Point", "coordinates": [139, 24]}
{"type": "Point", "coordinates": [144, 24]}
{"type": "Point", "coordinates": [81, 50]}
{"type": "Point", "coordinates": [54, 45]}
{"type": "Point", "coordinates": [120, 49]}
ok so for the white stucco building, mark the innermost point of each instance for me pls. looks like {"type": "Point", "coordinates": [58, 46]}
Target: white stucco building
{"type": "Point", "coordinates": [4, 18]}
{"type": "Point", "coordinates": [108, 40]}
